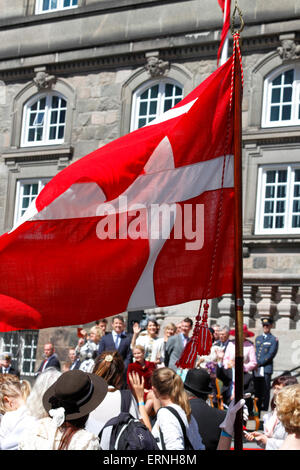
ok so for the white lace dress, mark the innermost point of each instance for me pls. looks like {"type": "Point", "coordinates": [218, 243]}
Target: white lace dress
{"type": "Point", "coordinates": [44, 436]}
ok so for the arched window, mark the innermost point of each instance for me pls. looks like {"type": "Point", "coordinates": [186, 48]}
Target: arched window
{"type": "Point", "coordinates": [44, 120]}
{"type": "Point", "coordinates": [282, 98]}
{"type": "Point", "coordinates": [152, 100]}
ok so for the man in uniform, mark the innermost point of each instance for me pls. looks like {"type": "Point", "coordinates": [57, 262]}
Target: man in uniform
{"type": "Point", "coordinates": [266, 349]}
{"type": "Point", "coordinates": [5, 365]}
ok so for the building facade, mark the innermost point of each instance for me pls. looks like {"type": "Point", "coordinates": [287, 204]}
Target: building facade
{"type": "Point", "coordinates": [77, 74]}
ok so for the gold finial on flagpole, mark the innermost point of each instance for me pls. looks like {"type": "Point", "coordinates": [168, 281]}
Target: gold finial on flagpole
{"type": "Point", "coordinates": [236, 11]}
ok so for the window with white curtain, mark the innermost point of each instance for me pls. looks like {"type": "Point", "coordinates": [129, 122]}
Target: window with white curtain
{"type": "Point", "coordinates": [281, 105]}
{"type": "Point", "coordinates": [44, 120]}
{"type": "Point", "coordinates": [278, 200]}
{"type": "Point", "coordinates": [27, 190]}
{"type": "Point", "coordinates": [152, 100]}
{"type": "Point", "coordinates": [45, 6]}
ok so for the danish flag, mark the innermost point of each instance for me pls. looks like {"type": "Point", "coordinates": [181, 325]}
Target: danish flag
{"type": "Point", "coordinates": [61, 265]}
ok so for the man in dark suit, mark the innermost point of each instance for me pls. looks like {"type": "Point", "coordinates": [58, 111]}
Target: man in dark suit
{"type": "Point", "coordinates": [117, 340]}
{"type": "Point", "coordinates": [51, 359]}
{"type": "Point", "coordinates": [266, 349]}
{"type": "Point", "coordinates": [74, 360]}
{"type": "Point", "coordinates": [176, 344]}
{"type": "Point", "coordinates": [6, 367]}
{"type": "Point", "coordinates": [223, 338]}
{"type": "Point", "coordinates": [197, 385]}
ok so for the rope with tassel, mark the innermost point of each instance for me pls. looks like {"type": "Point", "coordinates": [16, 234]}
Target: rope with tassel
{"type": "Point", "coordinates": [201, 341]}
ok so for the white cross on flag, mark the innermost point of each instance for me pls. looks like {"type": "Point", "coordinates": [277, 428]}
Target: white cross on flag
{"type": "Point", "coordinates": [145, 221]}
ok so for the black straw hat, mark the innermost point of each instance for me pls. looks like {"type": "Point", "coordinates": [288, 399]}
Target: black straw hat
{"type": "Point", "coordinates": [77, 392]}
{"type": "Point", "coordinates": [197, 381]}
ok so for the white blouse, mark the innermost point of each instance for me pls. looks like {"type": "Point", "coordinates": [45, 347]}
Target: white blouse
{"type": "Point", "coordinates": [44, 436]}
{"type": "Point", "coordinates": [13, 424]}
{"type": "Point", "coordinates": [172, 432]}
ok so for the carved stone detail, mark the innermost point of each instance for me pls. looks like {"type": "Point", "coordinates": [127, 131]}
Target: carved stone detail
{"type": "Point", "coordinates": [43, 80]}
{"type": "Point", "coordinates": [155, 66]}
{"type": "Point", "coordinates": [289, 50]}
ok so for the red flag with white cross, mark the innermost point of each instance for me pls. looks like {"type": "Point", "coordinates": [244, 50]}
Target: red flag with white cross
{"type": "Point", "coordinates": [144, 221]}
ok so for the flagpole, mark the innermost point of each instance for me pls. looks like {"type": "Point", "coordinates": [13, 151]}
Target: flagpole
{"type": "Point", "coordinates": [224, 53]}
{"type": "Point", "coordinates": [239, 338]}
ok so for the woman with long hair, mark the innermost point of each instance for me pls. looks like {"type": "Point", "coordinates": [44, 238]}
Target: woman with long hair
{"type": "Point", "coordinates": [43, 381]}
{"type": "Point", "coordinates": [170, 397]}
{"type": "Point", "coordinates": [68, 403]}
{"type": "Point", "coordinates": [110, 367]}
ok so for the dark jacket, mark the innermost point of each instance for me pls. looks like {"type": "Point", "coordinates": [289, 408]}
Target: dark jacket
{"type": "Point", "coordinates": [225, 375]}
{"type": "Point", "coordinates": [51, 362]}
{"type": "Point", "coordinates": [75, 364]}
{"type": "Point", "coordinates": [11, 370]}
{"type": "Point", "coordinates": [107, 344]}
{"type": "Point", "coordinates": [266, 350]}
{"type": "Point", "coordinates": [208, 420]}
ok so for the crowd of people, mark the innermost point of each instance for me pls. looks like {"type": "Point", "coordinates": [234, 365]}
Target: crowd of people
{"type": "Point", "coordinates": [116, 374]}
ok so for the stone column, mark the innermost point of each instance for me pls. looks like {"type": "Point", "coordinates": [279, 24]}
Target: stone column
{"type": "Point", "coordinates": [249, 309]}
{"type": "Point", "coordinates": [285, 307]}
{"type": "Point", "coordinates": [225, 309]}
{"type": "Point", "coordinates": [265, 305]}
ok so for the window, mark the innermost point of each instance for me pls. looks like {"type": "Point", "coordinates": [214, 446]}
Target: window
{"type": "Point", "coordinates": [22, 346]}
{"type": "Point", "coordinates": [44, 120]}
{"type": "Point", "coordinates": [282, 99]}
{"type": "Point", "coordinates": [27, 191]}
{"type": "Point", "coordinates": [44, 6]}
{"type": "Point", "coordinates": [150, 102]}
{"type": "Point", "coordinates": [278, 202]}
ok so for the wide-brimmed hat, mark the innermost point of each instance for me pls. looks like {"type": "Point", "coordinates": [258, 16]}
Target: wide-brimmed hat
{"type": "Point", "coordinates": [197, 381]}
{"type": "Point", "coordinates": [77, 392]}
{"type": "Point", "coordinates": [245, 330]}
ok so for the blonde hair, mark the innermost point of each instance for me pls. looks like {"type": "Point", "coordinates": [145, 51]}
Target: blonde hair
{"type": "Point", "coordinates": [43, 381]}
{"type": "Point", "coordinates": [12, 387]}
{"type": "Point", "coordinates": [97, 330]}
{"type": "Point", "coordinates": [288, 408]}
{"type": "Point", "coordinates": [170, 326]}
{"type": "Point", "coordinates": [140, 347]}
{"type": "Point", "coordinates": [169, 384]}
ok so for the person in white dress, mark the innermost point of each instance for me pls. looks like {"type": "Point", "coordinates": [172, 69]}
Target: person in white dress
{"type": "Point", "coordinates": [146, 339]}
{"type": "Point", "coordinates": [159, 346]}
{"type": "Point", "coordinates": [15, 419]}
{"type": "Point", "coordinates": [68, 403]}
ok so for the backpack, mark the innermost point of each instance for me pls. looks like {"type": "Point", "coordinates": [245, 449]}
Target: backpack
{"type": "Point", "coordinates": [125, 432]}
{"type": "Point", "coordinates": [187, 443]}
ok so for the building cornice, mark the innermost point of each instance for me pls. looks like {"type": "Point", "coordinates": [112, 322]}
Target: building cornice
{"type": "Point", "coordinates": [190, 46]}
{"type": "Point", "coordinates": [37, 154]}
{"type": "Point", "coordinates": [275, 136]}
